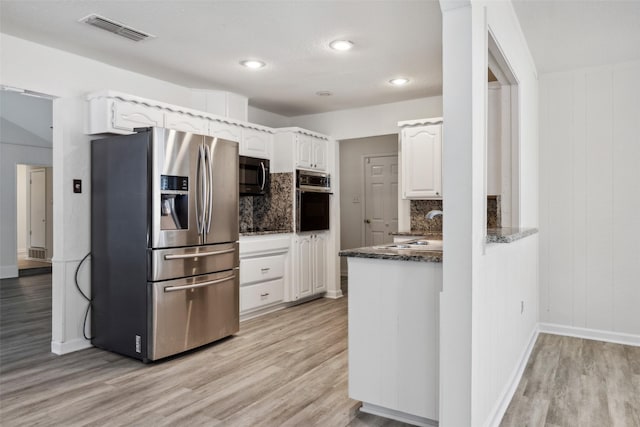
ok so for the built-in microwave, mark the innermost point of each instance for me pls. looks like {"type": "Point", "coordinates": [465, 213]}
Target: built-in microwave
{"type": "Point", "coordinates": [253, 176]}
{"type": "Point", "coordinates": [313, 192]}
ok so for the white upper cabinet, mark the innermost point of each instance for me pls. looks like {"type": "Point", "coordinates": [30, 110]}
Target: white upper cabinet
{"type": "Point", "coordinates": [256, 143]}
{"type": "Point", "coordinates": [185, 123]}
{"type": "Point", "coordinates": [126, 116]}
{"type": "Point", "coordinates": [224, 130]}
{"type": "Point", "coordinates": [304, 151]}
{"type": "Point", "coordinates": [296, 148]}
{"type": "Point", "coordinates": [311, 152]}
{"type": "Point", "coordinates": [421, 147]}
{"type": "Point", "coordinates": [319, 157]}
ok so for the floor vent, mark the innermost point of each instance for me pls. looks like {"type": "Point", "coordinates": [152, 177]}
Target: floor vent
{"type": "Point", "coordinates": [115, 27]}
{"type": "Point", "coordinates": [37, 253]}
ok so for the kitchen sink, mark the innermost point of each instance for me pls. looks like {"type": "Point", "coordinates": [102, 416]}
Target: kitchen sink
{"type": "Point", "coordinates": [415, 245]}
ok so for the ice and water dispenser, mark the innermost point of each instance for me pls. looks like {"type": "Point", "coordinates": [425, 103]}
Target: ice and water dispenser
{"type": "Point", "coordinates": [174, 199]}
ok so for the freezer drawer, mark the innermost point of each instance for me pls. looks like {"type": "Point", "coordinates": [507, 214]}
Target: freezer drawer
{"type": "Point", "coordinates": [165, 264]}
{"type": "Point", "coordinates": [188, 313]}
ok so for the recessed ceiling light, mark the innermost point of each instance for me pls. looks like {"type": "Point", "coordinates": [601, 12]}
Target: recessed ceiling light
{"type": "Point", "coordinates": [341, 45]}
{"type": "Point", "coordinates": [324, 93]}
{"type": "Point", "coordinates": [252, 63]}
{"type": "Point", "coordinates": [399, 81]}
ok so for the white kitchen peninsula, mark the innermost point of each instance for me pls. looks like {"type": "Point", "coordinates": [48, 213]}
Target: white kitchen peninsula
{"type": "Point", "coordinates": [393, 331]}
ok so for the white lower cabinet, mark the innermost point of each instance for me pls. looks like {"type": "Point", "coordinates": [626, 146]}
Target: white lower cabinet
{"type": "Point", "coordinates": [264, 271]}
{"type": "Point", "coordinates": [393, 321]}
{"type": "Point", "coordinates": [261, 294]}
{"type": "Point", "coordinates": [311, 264]}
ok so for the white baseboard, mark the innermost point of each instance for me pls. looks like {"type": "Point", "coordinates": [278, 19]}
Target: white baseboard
{"type": "Point", "coordinates": [590, 334]}
{"type": "Point", "coordinates": [397, 415]}
{"type": "Point", "coordinates": [333, 294]}
{"type": "Point", "coordinates": [511, 386]}
{"type": "Point", "coordinates": [61, 348]}
{"type": "Point", "coordinates": [8, 271]}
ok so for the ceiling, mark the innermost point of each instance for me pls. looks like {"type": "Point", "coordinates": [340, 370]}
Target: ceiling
{"type": "Point", "coordinates": [569, 34]}
{"type": "Point", "coordinates": [199, 43]}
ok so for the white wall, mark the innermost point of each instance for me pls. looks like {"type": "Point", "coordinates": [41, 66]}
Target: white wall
{"type": "Point", "coordinates": [25, 138]}
{"type": "Point", "coordinates": [472, 302]}
{"type": "Point", "coordinates": [21, 206]}
{"type": "Point", "coordinates": [267, 118]}
{"type": "Point", "coordinates": [590, 199]}
{"type": "Point", "coordinates": [70, 77]}
{"type": "Point", "coordinates": [369, 121]}
{"type": "Point", "coordinates": [352, 184]}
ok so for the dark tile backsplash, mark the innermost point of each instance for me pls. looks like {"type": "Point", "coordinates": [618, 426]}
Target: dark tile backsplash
{"type": "Point", "coordinates": [420, 208]}
{"type": "Point", "coordinates": [273, 211]}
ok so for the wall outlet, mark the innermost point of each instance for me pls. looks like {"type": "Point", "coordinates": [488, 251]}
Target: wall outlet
{"type": "Point", "coordinates": [356, 199]}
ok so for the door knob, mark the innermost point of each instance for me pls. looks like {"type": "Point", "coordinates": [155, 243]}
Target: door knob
{"type": "Point", "coordinates": [367, 221]}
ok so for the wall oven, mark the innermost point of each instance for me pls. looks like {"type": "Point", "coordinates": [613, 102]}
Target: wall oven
{"type": "Point", "coordinates": [253, 175]}
{"type": "Point", "coordinates": [313, 191]}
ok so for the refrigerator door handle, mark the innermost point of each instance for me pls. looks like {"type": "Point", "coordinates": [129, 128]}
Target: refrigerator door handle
{"type": "Point", "coordinates": [198, 285]}
{"type": "Point", "coordinates": [199, 254]}
{"type": "Point", "coordinates": [198, 192]}
{"type": "Point", "coordinates": [209, 171]}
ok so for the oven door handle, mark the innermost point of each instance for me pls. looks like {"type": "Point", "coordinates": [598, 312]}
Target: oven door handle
{"type": "Point", "coordinates": [198, 285]}
{"type": "Point", "coordinates": [196, 255]}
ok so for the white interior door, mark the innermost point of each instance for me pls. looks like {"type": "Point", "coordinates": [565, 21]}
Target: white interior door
{"type": "Point", "coordinates": [38, 209]}
{"type": "Point", "coordinates": [381, 199]}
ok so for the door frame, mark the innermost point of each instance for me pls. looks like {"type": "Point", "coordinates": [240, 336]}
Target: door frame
{"type": "Point", "coordinates": [43, 169]}
{"type": "Point", "coordinates": [363, 189]}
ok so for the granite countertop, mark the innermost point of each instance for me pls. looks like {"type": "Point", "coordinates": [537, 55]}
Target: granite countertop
{"type": "Point", "coordinates": [425, 234]}
{"type": "Point", "coordinates": [508, 234]}
{"type": "Point", "coordinates": [264, 232]}
{"type": "Point", "coordinates": [494, 235]}
{"type": "Point", "coordinates": [381, 252]}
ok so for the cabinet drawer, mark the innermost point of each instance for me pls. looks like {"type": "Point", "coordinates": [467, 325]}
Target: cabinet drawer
{"type": "Point", "coordinates": [261, 269]}
{"type": "Point", "coordinates": [261, 294]}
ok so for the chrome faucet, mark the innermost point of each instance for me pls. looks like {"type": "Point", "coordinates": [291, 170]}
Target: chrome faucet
{"type": "Point", "coordinates": [432, 214]}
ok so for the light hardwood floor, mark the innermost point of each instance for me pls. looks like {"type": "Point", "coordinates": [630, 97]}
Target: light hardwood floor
{"type": "Point", "coordinates": [577, 382]}
{"type": "Point", "coordinates": [285, 368]}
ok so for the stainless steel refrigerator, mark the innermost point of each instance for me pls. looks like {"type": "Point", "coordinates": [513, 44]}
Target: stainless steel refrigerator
{"type": "Point", "coordinates": [164, 242]}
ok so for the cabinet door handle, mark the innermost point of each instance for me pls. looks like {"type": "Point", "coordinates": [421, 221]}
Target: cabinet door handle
{"type": "Point", "coordinates": [266, 294]}
{"type": "Point", "coordinates": [265, 269]}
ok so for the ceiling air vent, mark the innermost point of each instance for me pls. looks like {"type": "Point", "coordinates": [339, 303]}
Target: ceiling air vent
{"type": "Point", "coordinates": [115, 27]}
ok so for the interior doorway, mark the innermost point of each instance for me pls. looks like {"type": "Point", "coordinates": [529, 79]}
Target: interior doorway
{"type": "Point", "coordinates": [34, 219]}
{"type": "Point", "coordinates": [353, 198]}
{"type": "Point", "coordinates": [26, 147]}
